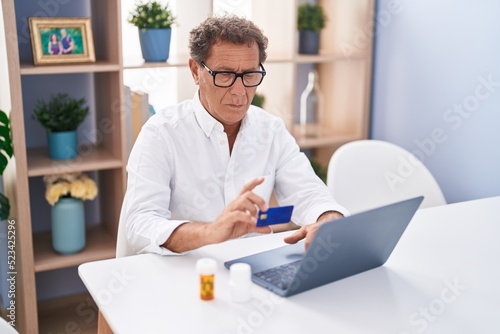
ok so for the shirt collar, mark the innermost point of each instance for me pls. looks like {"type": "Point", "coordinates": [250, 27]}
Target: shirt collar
{"type": "Point", "coordinates": [207, 122]}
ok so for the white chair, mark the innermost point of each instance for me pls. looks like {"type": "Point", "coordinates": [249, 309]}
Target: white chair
{"type": "Point", "coordinates": [5, 328]}
{"type": "Point", "coordinates": [122, 246]}
{"type": "Point", "coordinates": [365, 174]}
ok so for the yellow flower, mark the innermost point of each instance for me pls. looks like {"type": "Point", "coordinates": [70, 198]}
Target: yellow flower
{"type": "Point", "coordinates": [56, 191]}
{"type": "Point", "coordinates": [76, 185]}
{"type": "Point", "coordinates": [78, 189]}
{"type": "Point", "coordinates": [91, 189]}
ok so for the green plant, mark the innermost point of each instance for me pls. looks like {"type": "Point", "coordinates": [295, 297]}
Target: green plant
{"type": "Point", "coordinates": [318, 169]}
{"type": "Point", "coordinates": [258, 100]}
{"type": "Point", "coordinates": [152, 15]}
{"type": "Point", "coordinates": [311, 17]}
{"type": "Point", "coordinates": [61, 113]}
{"type": "Point", "coordinates": [6, 153]}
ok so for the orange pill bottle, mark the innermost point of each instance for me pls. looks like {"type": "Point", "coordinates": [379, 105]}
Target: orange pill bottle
{"type": "Point", "coordinates": [206, 269]}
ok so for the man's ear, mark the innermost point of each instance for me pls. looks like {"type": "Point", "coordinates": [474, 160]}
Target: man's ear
{"type": "Point", "coordinates": [194, 67]}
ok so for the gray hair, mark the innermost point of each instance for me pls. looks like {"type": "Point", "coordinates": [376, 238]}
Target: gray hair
{"type": "Point", "coordinates": [232, 29]}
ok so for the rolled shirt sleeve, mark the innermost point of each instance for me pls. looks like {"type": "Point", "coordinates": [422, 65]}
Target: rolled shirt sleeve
{"type": "Point", "coordinates": [146, 204]}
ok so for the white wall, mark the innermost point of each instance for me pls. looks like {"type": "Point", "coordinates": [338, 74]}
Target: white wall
{"type": "Point", "coordinates": [436, 89]}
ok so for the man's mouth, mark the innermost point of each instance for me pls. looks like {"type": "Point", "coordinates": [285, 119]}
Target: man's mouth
{"type": "Point", "coordinates": [236, 105]}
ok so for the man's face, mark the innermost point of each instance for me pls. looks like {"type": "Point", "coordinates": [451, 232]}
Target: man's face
{"type": "Point", "coordinates": [63, 32]}
{"type": "Point", "coordinates": [227, 105]}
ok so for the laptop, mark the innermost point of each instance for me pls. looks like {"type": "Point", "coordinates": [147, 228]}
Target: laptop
{"type": "Point", "coordinates": [340, 248]}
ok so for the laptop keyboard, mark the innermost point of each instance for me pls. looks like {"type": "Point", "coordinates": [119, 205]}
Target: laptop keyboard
{"type": "Point", "coordinates": [281, 276]}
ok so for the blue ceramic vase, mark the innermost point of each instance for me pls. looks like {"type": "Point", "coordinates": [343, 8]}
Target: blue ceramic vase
{"type": "Point", "coordinates": [155, 44]}
{"type": "Point", "coordinates": [68, 226]}
{"type": "Point", "coordinates": [62, 145]}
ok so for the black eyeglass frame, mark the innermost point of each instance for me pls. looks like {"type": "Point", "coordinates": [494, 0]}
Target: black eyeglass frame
{"type": "Point", "coordinates": [236, 75]}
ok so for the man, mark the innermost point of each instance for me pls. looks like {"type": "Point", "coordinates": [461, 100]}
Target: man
{"type": "Point", "coordinates": [68, 44]}
{"type": "Point", "coordinates": [200, 171]}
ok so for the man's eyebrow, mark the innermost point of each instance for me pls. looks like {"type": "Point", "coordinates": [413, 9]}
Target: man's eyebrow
{"type": "Point", "coordinates": [228, 69]}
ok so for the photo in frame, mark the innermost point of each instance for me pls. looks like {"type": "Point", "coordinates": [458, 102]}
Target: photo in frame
{"type": "Point", "coordinates": [61, 40]}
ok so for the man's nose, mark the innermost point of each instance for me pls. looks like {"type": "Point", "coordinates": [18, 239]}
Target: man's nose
{"type": "Point", "coordinates": [238, 88]}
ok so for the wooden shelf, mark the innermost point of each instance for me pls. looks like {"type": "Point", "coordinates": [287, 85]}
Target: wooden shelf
{"type": "Point", "coordinates": [99, 245]}
{"type": "Point", "coordinates": [325, 58]}
{"type": "Point", "coordinates": [173, 61]}
{"type": "Point", "coordinates": [24, 85]}
{"type": "Point", "coordinates": [39, 163]}
{"type": "Point", "coordinates": [99, 66]}
{"type": "Point", "coordinates": [182, 61]}
{"type": "Point", "coordinates": [309, 143]}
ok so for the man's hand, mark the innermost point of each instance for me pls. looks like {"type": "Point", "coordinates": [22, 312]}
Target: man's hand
{"type": "Point", "coordinates": [237, 219]}
{"type": "Point", "coordinates": [240, 216]}
{"type": "Point", "coordinates": [308, 231]}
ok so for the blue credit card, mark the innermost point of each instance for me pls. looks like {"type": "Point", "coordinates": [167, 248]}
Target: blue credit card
{"type": "Point", "coordinates": [277, 215]}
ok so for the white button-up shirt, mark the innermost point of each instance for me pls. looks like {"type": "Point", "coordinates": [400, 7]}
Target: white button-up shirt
{"type": "Point", "coordinates": [180, 170]}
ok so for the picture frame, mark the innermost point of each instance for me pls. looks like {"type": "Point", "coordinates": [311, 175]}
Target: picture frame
{"type": "Point", "coordinates": [61, 40]}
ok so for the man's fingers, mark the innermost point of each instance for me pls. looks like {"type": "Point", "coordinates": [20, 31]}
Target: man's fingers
{"type": "Point", "coordinates": [248, 207]}
{"type": "Point", "coordinates": [252, 184]}
{"type": "Point", "coordinates": [257, 200]}
{"type": "Point", "coordinates": [240, 216]}
{"type": "Point", "coordinates": [246, 223]}
{"type": "Point", "coordinates": [296, 237]}
{"type": "Point", "coordinates": [263, 229]}
{"type": "Point", "coordinates": [246, 194]}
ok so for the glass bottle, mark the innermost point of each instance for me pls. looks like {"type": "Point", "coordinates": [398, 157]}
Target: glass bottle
{"type": "Point", "coordinates": [311, 108]}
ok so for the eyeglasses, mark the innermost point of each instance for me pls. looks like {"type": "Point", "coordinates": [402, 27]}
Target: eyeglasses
{"type": "Point", "coordinates": [226, 79]}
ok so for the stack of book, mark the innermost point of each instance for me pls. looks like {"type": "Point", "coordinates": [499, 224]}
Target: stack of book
{"type": "Point", "coordinates": [137, 112]}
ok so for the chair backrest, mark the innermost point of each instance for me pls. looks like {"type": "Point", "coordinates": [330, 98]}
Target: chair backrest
{"type": "Point", "coordinates": [365, 174]}
{"type": "Point", "coordinates": [5, 328]}
{"type": "Point", "coordinates": [122, 246]}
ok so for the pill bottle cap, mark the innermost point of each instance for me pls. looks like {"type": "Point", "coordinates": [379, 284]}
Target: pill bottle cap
{"type": "Point", "coordinates": [240, 273]}
{"type": "Point", "coordinates": [206, 266]}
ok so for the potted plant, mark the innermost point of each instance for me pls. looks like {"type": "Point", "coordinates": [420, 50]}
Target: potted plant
{"type": "Point", "coordinates": [66, 193]}
{"type": "Point", "coordinates": [6, 153]}
{"type": "Point", "coordinates": [311, 19]}
{"type": "Point", "coordinates": [258, 100]}
{"type": "Point", "coordinates": [154, 22]}
{"type": "Point", "coordinates": [320, 171]}
{"type": "Point", "coordinates": [61, 116]}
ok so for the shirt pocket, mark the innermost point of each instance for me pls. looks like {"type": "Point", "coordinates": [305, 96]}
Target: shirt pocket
{"type": "Point", "coordinates": [265, 189]}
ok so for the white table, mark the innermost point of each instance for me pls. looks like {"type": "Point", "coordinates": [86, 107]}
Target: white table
{"type": "Point", "coordinates": [443, 277]}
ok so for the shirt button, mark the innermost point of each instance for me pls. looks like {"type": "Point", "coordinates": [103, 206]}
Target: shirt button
{"type": "Point", "coordinates": [222, 142]}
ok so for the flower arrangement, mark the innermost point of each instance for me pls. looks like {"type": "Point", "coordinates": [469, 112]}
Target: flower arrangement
{"type": "Point", "coordinates": [152, 15]}
{"type": "Point", "coordinates": [75, 185]}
